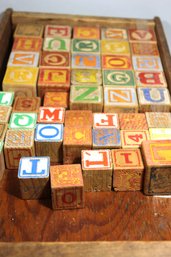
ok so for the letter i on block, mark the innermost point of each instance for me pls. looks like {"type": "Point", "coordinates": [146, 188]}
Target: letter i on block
{"type": "Point", "coordinates": [2, 164]}
{"type": "Point", "coordinates": [33, 175]}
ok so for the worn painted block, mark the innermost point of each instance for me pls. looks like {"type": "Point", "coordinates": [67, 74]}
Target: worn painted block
{"type": "Point", "coordinates": [33, 176]}
{"type": "Point", "coordinates": [86, 97]}
{"type": "Point", "coordinates": [118, 78]}
{"type": "Point", "coordinates": [3, 130]}
{"type": "Point", "coordinates": [157, 157]}
{"type": "Point", "coordinates": [160, 133]}
{"type": "Point", "coordinates": [23, 120]}
{"type": "Point", "coordinates": [27, 44]}
{"type": "Point", "coordinates": [76, 118]}
{"type": "Point", "coordinates": [133, 138]}
{"type": "Point", "coordinates": [109, 46]}
{"type": "Point", "coordinates": [114, 34]}
{"type": "Point", "coordinates": [67, 187]}
{"type": "Point", "coordinates": [75, 140]}
{"type": "Point", "coordinates": [18, 143]}
{"type": "Point", "coordinates": [105, 120]}
{"type": "Point", "coordinates": [116, 62]}
{"type": "Point", "coordinates": [106, 138]}
{"type": "Point", "coordinates": [5, 112]}
{"type": "Point", "coordinates": [55, 59]}
{"type": "Point", "coordinates": [29, 30]}
{"type": "Point", "coordinates": [6, 98]}
{"type": "Point", "coordinates": [56, 99]}
{"type": "Point", "coordinates": [26, 104]}
{"type": "Point", "coordinates": [150, 79]}
{"type": "Point", "coordinates": [120, 99]}
{"type": "Point", "coordinates": [133, 121]}
{"type": "Point", "coordinates": [2, 163]}
{"type": "Point", "coordinates": [141, 48]}
{"type": "Point", "coordinates": [128, 169]}
{"type": "Point", "coordinates": [154, 99]}
{"type": "Point", "coordinates": [56, 44]}
{"type": "Point", "coordinates": [147, 63]}
{"type": "Point", "coordinates": [86, 61]}
{"type": "Point", "coordinates": [48, 141]}
{"type": "Point", "coordinates": [158, 119]}
{"type": "Point", "coordinates": [57, 31]}
{"type": "Point", "coordinates": [86, 76]}
{"type": "Point", "coordinates": [28, 59]}
{"type": "Point", "coordinates": [97, 170]}
{"type": "Point", "coordinates": [85, 46]}
{"type": "Point", "coordinates": [86, 32]}
{"type": "Point", "coordinates": [51, 115]}
{"type": "Point", "coordinates": [142, 35]}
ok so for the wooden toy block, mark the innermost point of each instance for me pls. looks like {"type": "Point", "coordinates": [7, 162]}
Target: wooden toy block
{"type": "Point", "coordinates": [51, 115]}
{"type": "Point", "coordinates": [82, 76]}
{"type": "Point", "coordinates": [147, 63]}
{"type": "Point", "coordinates": [86, 97]}
{"type": "Point", "coordinates": [23, 120]}
{"type": "Point", "coordinates": [55, 59]}
{"type": "Point", "coordinates": [6, 98]}
{"type": "Point", "coordinates": [57, 31]}
{"type": "Point", "coordinates": [27, 44]}
{"type": "Point", "coordinates": [133, 121]}
{"type": "Point", "coordinates": [133, 138]}
{"type": "Point", "coordinates": [86, 61]}
{"type": "Point", "coordinates": [5, 112]}
{"type": "Point", "coordinates": [18, 143]}
{"type": "Point", "coordinates": [26, 104]}
{"type": "Point", "coordinates": [85, 46]}
{"type": "Point", "coordinates": [142, 35]}
{"type": "Point", "coordinates": [141, 48]}
{"type": "Point", "coordinates": [105, 120]}
{"type": "Point", "coordinates": [106, 138]}
{"type": "Point", "coordinates": [116, 62]}
{"type": "Point", "coordinates": [2, 163]}
{"type": "Point", "coordinates": [67, 187]}
{"type": "Point", "coordinates": [118, 78]}
{"type": "Point", "coordinates": [86, 32]}
{"type": "Point", "coordinates": [33, 176]}
{"type": "Point", "coordinates": [109, 46]}
{"type": "Point", "coordinates": [120, 99]}
{"type": "Point", "coordinates": [23, 59]}
{"type": "Point", "coordinates": [128, 169]}
{"type": "Point", "coordinates": [21, 80]}
{"type": "Point", "coordinates": [56, 99]}
{"type": "Point", "coordinates": [157, 157]}
{"type": "Point", "coordinates": [56, 44]}
{"type": "Point", "coordinates": [78, 118]}
{"type": "Point", "coordinates": [150, 79]}
{"type": "Point", "coordinates": [3, 130]}
{"type": "Point", "coordinates": [97, 170]}
{"type": "Point", "coordinates": [75, 140]}
{"type": "Point", "coordinates": [160, 133]}
{"type": "Point", "coordinates": [158, 119]}
{"type": "Point", "coordinates": [114, 34]}
{"type": "Point", "coordinates": [29, 30]}
{"type": "Point", "coordinates": [154, 99]}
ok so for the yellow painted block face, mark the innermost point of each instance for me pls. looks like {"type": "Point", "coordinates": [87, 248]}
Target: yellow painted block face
{"type": "Point", "coordinates": [29, 30]}
{"type": "Point", "coordinates": [86, 76]}
{"type": "Point", "coordinates": [115, 47]}
{"type": "Point", "coordinates": [160, 133]}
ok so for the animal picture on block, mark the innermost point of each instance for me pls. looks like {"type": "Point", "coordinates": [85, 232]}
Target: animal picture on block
{"type": "Point", "coordinates": [78, 118]}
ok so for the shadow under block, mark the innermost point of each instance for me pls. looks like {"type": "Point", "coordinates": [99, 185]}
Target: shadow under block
{"type": "Point", "coordinates": [86, 77]}
{"type": "Point", "coordinates": [157, 157]}
{"type": "Point", "coordinates": [86, 32]}
{"type": "Point", "coordinates": [29, 30]}
{"type": "Point", "coordinates": [23, 120]}
{"type": "Point", "coordinates": [106, 138]}
{"type": "Point", "coordinates": [5, 112]}
{"type": "Point", "coordinates": [160, 133]}
{"type": "Point", "coordinates": [86, 61]}
{"type": "Point", "coordinates": [78, 118]}
{"type": "Point", "coordinates": [2, 163]}
{"type": "Point", "coordinates": [86, 97]}
{"type": "Point", "coordinates": [3, 130]}
{"type": "Point", "coordinates": [85, 46]}
{"type": "Point", "coordinates": [114, 34]}
{"type": "Point", "coordinates": [116, 62]}
{"type": "Point", "coordinates": [133, 138]}
{"type": "Point", "coordinates": [109, 46]}
{"type": "Point", "coordinates": [56, 44]}
{"type": "Point", "coordinates": [51, 115]}
{"type": "Point", "coordinates": [158, 119]}
{"type": "Point", "coordinates": [33, 175]}
{"type": "Point", "coordinates": [6, 98]}
{"type": "Point", "coordinates": [57, 31]}
{"type": "Point", "coordinates": [23, 59]}
{"type": "Point", "coordinates": [97, 170]}
{"type": "Point", "coordinates": [75, 140]}
{"type": "Point", "coordinates": [133, 121]}
{"type": "Point", "coordinates": [154, 100]}
{"type": "Point", "coordinates": [105, 120]}
{"type": "Point", "coordinates": [147, 35]}
{"type": "Point", "coordinates": [55, 59]}
{"type": "Point", "coordinates": [18, 143]}
{"type": "Point", "coordinates": [67, 186]}
{"type": "Point", "coordinates": [48, 141]}
{"type": "Point", "coordinates": [150, 79]}
{"type": "Point", "coordinates": [118, 78]}
{"type": "Point", "coordinates": [26, 104]}
{"type": "Point", "coordinates": [56, 99]}
{"type": "Point", "coordinates": [128, 169]}
{"type": "Point", "coordinates": [27, 44]}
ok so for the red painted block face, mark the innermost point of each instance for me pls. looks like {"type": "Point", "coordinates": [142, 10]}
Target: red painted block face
{"type": "Point", "coordinates": [51, 115]}
{"type": "Point", "coordinates": [56, 99]}
{"type": "Point", "coordinates": [57, 31]}
{"type": "Point", "coordinates": [27, 44]}
{"type": "Point", "coordinates": [141, 35]}
{"type": "Point", "coordinates": [26, 104]}
{"type": "Point", "coordinates": [150, 79]}
{"type": "Point", "coordinates": [55, 59]}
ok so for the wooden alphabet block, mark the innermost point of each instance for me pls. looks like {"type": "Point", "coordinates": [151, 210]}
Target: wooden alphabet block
{"type": "Point", "coordinates": [56, 44]}
{"type": "Point", "coordinates": [133, 121]}
{"type": "Point", "coordinates": [128, 169]}
{"type": "Point", "coordinates": [109, 46]}
{"type": "Point", "coordinates": [147, 63]}
{"type": "Point", "coordinates": [97, 170]}
{"type": "Point", "coordinates": [29, 30]}
{"type": "Point", "coordinates": [133, 138]}
{"type": "Point", "coordinates": [106, 138]}
{"type": "Point", "coordinates": [105, 120]}
{"type": "Point", "coordinates": [67, 187]}
{"type": "Point", "coordinates": [118, 78]}
{"type": "Point", "coordinates": [85, 46]}
{"type": "Point", "coordinates": [48, 141]}
{"type": "Point", "coordinates": [86, 61]}
{"type": "Point", "coordinates": [157, 157]}
{"type": "Point", "coordinates": [5, 112]}
{"type": "Point", "coordinates": [86, 76]}
{"type": "Point", "coordinates": [78, 118]}
{"type": "Point", "coordinates": [57, 31]}
{"type": "Point", "coordinates": [33, 175]}
{"type": "Point", "coordinates": [27, 44]}
{"type": "Point", "coordinates": [51, 115]}
{"type": "Point", "coordinates": [114, 34]}
{"type": "Point", "coordinates": [23, 120]}
{"type": "Point", "coordinates": [2, 163]}
{"type": "Point", "coordinates": [26, 104]}
{"type": "Point", "coordinates": [154, 100]}
{"type": "Point", "coordinates": [158, 119]}
{"type": "Point", "coordinates": [116, 62]}
{"type": "Point", "coordinates": [120, 99]}
{"type": "Point", "coordinates": [86, 97]}
{"type": "Point", "coordinates": [6, 98]}
{"type": "Point", "coordinates": [160, 133]}
{"type": "Point", "coordinates": [86, 32]}
{"type": "Point", "coordinates": [75, 140]}
{"type": "Point", "coordinates": [23, 59]}
{"type": "Point", "coordinates": [55, 59]}
{"type": "Point", "coordinates": [18, 143]}
{"type": "Point", "coordinates": [3, 130]}
{"type": "Point", "coordinates": [150, 79]}
{"type": "Point", "coordinates": [142, 35]}
{"type": "Point", "coordinates": [141, 48]}
{"type": "Point", "coordinates": [56, 99]}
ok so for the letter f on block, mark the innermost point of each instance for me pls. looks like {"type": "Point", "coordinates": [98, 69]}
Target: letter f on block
{"type": "Point", "coordinates": [34, 168]}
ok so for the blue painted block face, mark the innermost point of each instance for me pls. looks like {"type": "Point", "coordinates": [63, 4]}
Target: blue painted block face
{"type": "Point", "coordinates": [49, 132]}
{"type": "Point", "coordinates": [106, 137]}
{"type": "Point", "coordinates": [154, 95]}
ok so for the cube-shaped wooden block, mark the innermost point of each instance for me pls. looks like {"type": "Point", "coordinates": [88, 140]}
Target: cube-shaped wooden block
{"type": "Point", "coordinates": [23, 120]}
{"type": "Point", "coordinates": [109, 46]}
{"type": "Point", "coordinates": [51, 115]}
{"type": "Point", "coordinates": [86, 77]}
{"type": "Point", "coordinates": [18, 143]}
{"type": "Point", "coordinates": [55, 59]}
{"type": "Point", "coordinates": [118, 78]}
{"type": "Point", "coordinates": [86, 61]}
{"type": "Point", "coordinates": [147, 63]}
{"type": "Point", "coordinates": [106, 138]}
{"type": "Point", "coordinates": [56, 99]}
{"type": "Point", "coordinates": [154, 100]}
{"type": "Point", "coordinates": [158, 119]}
{"type": "Point", "coordinates": [142, 35]}
{"type": "Point", "coordinates": [157, 157]}
{"type": "Point", "coordinates": [116, 62]}
{"type": "Point", "coordinates": [128, 169]}
{"type": "Point", "coordinates": [48, 141]}
{"type": "Point", "coordinates": [78, 118]}
{"type": "Point", "coordinates": [75, 140]}
{"type": "Point", "coordinates": [26, 104]}
{"type": "Point", "coordinates": [2, 163]}
{"type": "Point", "coordinates": [105, 120]}
{"type": "Point", "coordinates": [28, 59]}
{"type": "Point", "coordinates": [5, 112]}
{"type": "Point", "coordinates": [29, 30]}
{"type": "Point", "coordinates": [67, 187]}
{"type": "Point", "coordinates": [150, 79]}
{"type": "Point", "coordinates": [85, 46]}
{"type": "Point", "coordinates": [57, 31]}
{"type": "Point", "coordinates": [160, 133]}
{"type": "Point", "coordinates": [133, 138]}
{"type": "Point", "coordinates": [86, 97]}
{"type": "Point", "coordinates": [27, 44]}
{"type": "Point", "coordinates": [56, 44]}
{"type": "Point", "coordinates": [133, 121]}
{"type": "Point", "coordinates": [6, 98]}
{"type": "Point", "coordinates": [86, 32]}
{"type": "Point", "coordinates": [114, 34]}
{"type": "Point", "coordinates": [3, 130]}
{"type": "Point", "coordinates": [120, 99]}
{"type": "Point", "coordinates": [141, 48]}
{"type": "Point", "coordinates": [97, 170]}
{"type": "Point", "coordinates": [33, 175]}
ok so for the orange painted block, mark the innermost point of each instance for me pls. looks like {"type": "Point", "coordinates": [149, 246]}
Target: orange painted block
{"type": "Point", "coordinates": [3, 130]}
{"type": "Point", "coordinates": [27, 44]}
{"type": "Point", "coordinates": [116, 62]}
{"type": "Point", "coordinates": [105, 120]}
{"type": "Point", "coordinates": [142, 35]}
{"type": "Point", "coordinates": [150, 79]}
{"type": "Point", "coordinates": [114, 34]}
{"type": "Point", "coordinates": [67, 187]}
{"type": "Point", "coordinates": [133, 121]}
{"type": "Point", "coordinates": [128, 169]}
{"type": "Point", "coordinates": [55, 59]}
{"type": "Point", "coordinates": [133, 138]}
{"type": "Point", "coordinates": [86, 32]}
{"type": "Point", "coordinates": [26, 104]}
{"type": "Point", "coordinates": [2, 163]}
{"type": "Point", "coordinates": [5, 112]}
{"type": "Point", "coordinates": [76, 118]}
{"type": "Point", "coordinates": [57, 31]}
{"type": "Point", "coordinates": [115, 47]}
{"type": "Point", "coordinates": [29, 59]}
{"type": "Point", "coordinates": [51, 115]}
{"type": "Point", "coordinates": [56, 99]}
{"type": "Point", "coordinates": [144, 49]}
{"type": "Point", "coordinates": [29, 30]}
{"type": "Point", "coordinates": [158, 119]}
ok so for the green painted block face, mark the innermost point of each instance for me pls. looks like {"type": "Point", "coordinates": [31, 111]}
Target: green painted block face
{"type": "Point", "coordinates": [85, 46]}
{"type": "Point", "coordinates": [118, 78]}
{"type": "Point", "coordinates": [56, 44]}
{"type": "Point", "coordinates": [6, 98]}
{"type": "Point", "coordinates": [23, 120]}
{"type": "Point", "coordinates": [86, 94]}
